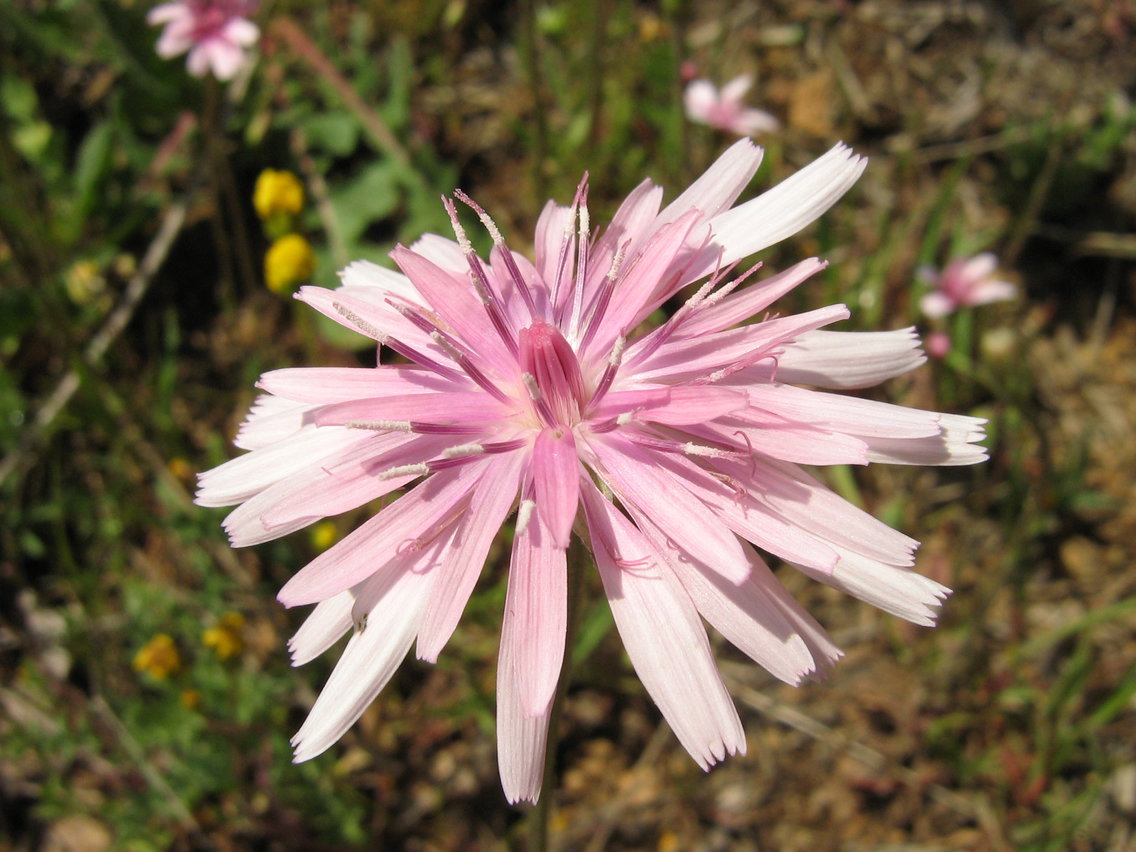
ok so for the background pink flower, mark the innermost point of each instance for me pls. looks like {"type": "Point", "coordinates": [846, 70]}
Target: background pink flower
{"type": "Point", "coordinates": [964, 283]}
{"type": "Point", "coordinates": [216, 33]}
{"type": "Point", "coordinates": [724, 110]}
{"type": "Point", "coordinates": [672, 453]}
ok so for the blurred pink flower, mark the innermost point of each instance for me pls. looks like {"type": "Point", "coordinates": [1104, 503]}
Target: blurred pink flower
{"type": "Point", "coordinates": [964, 283]}
{"type": "Point", "coordinates": [215, 32]}
{"type": "Point", "coordinates": [724, 110]}
{"type": "Point", "coordinates": [938, 344]}
{"type": "Point", "coordinates": [529, 386]}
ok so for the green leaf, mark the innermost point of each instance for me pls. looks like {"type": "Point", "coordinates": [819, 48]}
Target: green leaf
{"type": "Point", "coordinates": [336, 133]}
{"type": "Point", "coordinates": [367, 198]}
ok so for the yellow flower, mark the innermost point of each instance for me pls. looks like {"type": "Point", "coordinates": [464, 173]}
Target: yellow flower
{"type": "Point", "coordinates": [276, 193]}
{"type": "Point", "coordinates": [288, 261]}
{"type": "Point", "coordinates": [225, 638]}
{"type": "Point", "coordinates": [159, 657]}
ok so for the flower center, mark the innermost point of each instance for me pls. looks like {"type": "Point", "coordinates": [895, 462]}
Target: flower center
{"type": "Point", "coordinates": [552, 374]}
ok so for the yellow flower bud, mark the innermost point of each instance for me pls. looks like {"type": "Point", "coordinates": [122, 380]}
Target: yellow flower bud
{"type": "Point", "coordinates": [276, 193]}
{"type": "Point", "coordinates": [288, 261]}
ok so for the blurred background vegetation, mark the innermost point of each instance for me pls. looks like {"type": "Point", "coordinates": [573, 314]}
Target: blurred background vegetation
{"type": "Point", "coordinates": [145, 695]}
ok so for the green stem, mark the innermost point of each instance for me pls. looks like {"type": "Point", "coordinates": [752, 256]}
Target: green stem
{"type": "Point", "coordinates": [541, 815]}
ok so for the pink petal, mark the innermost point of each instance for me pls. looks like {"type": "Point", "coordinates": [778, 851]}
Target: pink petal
{"type": "Point", "coordinates": [649, 278]}
{"type": "Point", "coordinates": [665, 640]}
{"type": "Point", "coordinates": [634, 475]}
{"type": "Point", "coordinates": [552, 227]}
{"type": "Point", "coordinates": [535, 620]}
{"type": "Point", "coordinates": [240, 478]}
{"type": "Point", "coordinates": [894, 589]}
{"type": "Point", "coordinates": [956, 445]}
{"type": "Point", "coordinates": [356, 480]}
{"type": "Point", "coordinates": [805, 502]}
{"type": "Point", "coordinates": [937, 304]}
{"type": "Point", "coordinates": [739, 504]}
{"type": "Point", "coordinates": [849, 359]}
{"type": "Point", "coordinates": [632, 223]}
{"type": "Point", "coordinates": [408, 524]}
{"type": "Point", "coordinates": [785, 209]}
{"type": "Point", "coordinates": [735, 89]}
{"type": "Point", "coordinates": [225, 58]}
{"type": "Point", "coordinates": [719, 186]}
{"type": "Point", "coordinates": [556, 482]}
{"type": "Point", "coordinates": [783, 438]}
{"type": "Point", "coordinates": [242, 32]}
{"type": "Point", "coordinates": [464, 407]}
{"type": "Point", "coordinates": [371, 282]}
{"type": "Point", "coordinates": [671, 406]}
{"type": "Point", "coordinates": [521, 734]}
{"type": "Point", "coordinates": [979, 267]}
{"type": "Point", "coordinates": [271, 419]}
{"type": "Point", "coordinates": [369, 661]}
{"type": "Point", "coordinates": [491, 499]}
{"type": "Point", "coordinates": [699, 98]}
{"type": "Point", "coordinates": [322, 628]}
{"type": "Point", "coordinates": [752, 122]}
{"type": "Point", "coordinates": [758, 617]}
{"type": "Point", "coordinates": [743, 304]}
{"type": "Point", "coordinates": [860, 417]}
{"type": "Point", "coordinates": [688, 358]}
{"type": "Point", "coordinates": [339, 384]}
{"type": "Point", "coordinates": [452, 298]}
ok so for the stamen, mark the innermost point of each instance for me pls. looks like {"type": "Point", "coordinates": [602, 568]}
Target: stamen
{"type": "Point", "coordinates": [688, 449]}
{"type": "Point", "coordinates": [566, 245]}
{"type": "Point", "coordinates": [480, 280]}
{"type": "Point", "coordinates": [613, 362]}
{"type": "Point", "coordinates": [692, 449]}
{"type": "Point", "coordinates": [524, 515]}
{"type": "Point", "coordinates": [381, 425]}
{"type": "Point", "coordinates": [700, 300]}
{"type": "Point", "coordinates": [405, 470]}
{"type": "Point", "coordinates": [603, 297]}
{"type": "Point", "coordinates": [463, 450]}
{"type": "Point", "coordinates": [361, 324]}
{"type": "Point", "coordinates": [542, 407]}
{"type": "Point", "coordinates": [582, 248]}
{"type": "Point", "coordinates": [499, 241]}
{"type": "Point", "coordinates": [466, 453]}
{"type": "Point", "coordinates": [468, 367]}
{"type": "Point", "coordinates": [407, 352]}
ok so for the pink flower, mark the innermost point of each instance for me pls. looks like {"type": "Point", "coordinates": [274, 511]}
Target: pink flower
{"type": "Point", "coordinates": [724, 110]}
{"type": "Point", "coordinates": [215, 32]}
{"type": "Point", "coordinates": [531, 386]}
{"type": "Point", "coordinates": [964, 283]}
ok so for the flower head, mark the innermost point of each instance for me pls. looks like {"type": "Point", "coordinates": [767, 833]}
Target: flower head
{"type": "Point", "coordinates": [288, 261]}
{"type": "Point", "coordinates": [216, 33]}
{"type": "Point", "coordinates": [159, 657]}
{"type": "Point", "coordinates": [724, 110]}
{"type": "Point", "coordinates": [277, 193]}
{"type": "Point", "coordinates": [529, 387]}
{"type": "Point", "coordinates": [964, 283]}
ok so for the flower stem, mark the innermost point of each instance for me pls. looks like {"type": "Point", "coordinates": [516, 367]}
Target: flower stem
{"type": "Point", "coordinates": [542, 812]}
